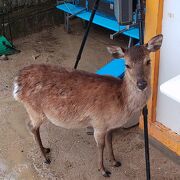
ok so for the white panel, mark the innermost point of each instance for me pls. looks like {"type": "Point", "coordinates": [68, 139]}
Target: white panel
{"type": "Point", "coordinates": [168, 110]}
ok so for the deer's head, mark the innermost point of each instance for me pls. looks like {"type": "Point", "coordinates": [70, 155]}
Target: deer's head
{"type": "Point", "coordinates": [138, 62]}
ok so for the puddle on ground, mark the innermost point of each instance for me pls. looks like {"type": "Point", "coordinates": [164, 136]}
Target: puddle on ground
{"type": "Point", "coordinates": [20, 157]}
{"type": "Point", "coordinates": [15, 143]}
{"type": "Point", "coordinates": [20, 171]}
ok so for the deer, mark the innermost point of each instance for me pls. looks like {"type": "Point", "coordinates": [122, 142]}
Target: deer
{"type": "Point", "coordinates": [71, 98]}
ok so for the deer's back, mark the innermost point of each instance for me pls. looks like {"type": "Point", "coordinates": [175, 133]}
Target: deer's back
{"type": "Point", "coordinates": [69, 95]}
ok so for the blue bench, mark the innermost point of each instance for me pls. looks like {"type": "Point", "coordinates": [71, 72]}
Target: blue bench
{"type": "Point", "coordinates": [99, 19]}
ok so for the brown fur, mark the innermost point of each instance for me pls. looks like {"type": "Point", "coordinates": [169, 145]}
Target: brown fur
{"type": "Point", "coordinates": [74, 99]}
{"type": "Point", "coordinates": [60, 90]}
{"type": "Point", "coordinates": [137, 53]}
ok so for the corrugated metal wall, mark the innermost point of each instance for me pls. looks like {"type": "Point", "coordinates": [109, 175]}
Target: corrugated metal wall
{"type": "Point", "coordinates": [28, 16]}
{"type": "Point", "coordinates": [22, 3]}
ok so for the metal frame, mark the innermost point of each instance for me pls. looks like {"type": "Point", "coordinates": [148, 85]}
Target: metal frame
{"type": "Point", "coordinates": [128, 27]}
{"type": "Point", "coordinates": [67, 17]}
{"type": "Point", "coordinates": [112, 36]}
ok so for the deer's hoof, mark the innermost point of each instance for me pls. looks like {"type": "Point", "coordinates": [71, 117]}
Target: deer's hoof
{"type": "Point", "coordinates": [117, 164]}
{"type": "Point", "coordinates": [47, 161]}
{"type": "Point", "coordinates": [106, 173]}
{"type": "Point", "coordinates": [47, 150]}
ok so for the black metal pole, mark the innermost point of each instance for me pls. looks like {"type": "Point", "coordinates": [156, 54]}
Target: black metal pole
{"type": "Point", "coordinates": [96, 3]}
{"type": "Point", "coordinates": [145, 109]}
{"type": "Point", "coordinates": [140, 19]}
{"type": "Point", "coordinates": [146, 140]}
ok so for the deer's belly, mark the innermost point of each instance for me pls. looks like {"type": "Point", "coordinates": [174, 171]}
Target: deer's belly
{"type": "Point", "coordinates": [68, 122]}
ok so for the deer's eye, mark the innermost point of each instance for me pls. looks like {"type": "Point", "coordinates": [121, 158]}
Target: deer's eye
{"type": "Point", "coordinates": [127, 66]}
{"type": "Point", "coordinates": [148, 62]}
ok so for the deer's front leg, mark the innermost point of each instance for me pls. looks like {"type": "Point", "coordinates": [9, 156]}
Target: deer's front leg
{"type": "Point", "coordinates": [100, 140]}
{"type": "Point", "coordinates": [110, 149]}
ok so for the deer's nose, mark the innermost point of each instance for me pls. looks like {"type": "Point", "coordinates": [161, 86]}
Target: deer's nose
{"type": "Point", "coordinates": [141, 84]}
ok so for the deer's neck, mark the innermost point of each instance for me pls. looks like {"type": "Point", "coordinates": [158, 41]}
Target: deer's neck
{"type": "Point", "coordinates": [136, 99]}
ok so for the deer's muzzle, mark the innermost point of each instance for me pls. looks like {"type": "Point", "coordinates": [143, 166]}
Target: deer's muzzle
{"type": "Point", "coordinates": [142, 84]}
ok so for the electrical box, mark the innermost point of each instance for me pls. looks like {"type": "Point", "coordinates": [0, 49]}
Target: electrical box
{"type": "Point", "coordinates": [106, 7]}
{"type": "Point", "coordinates": [123, 11]}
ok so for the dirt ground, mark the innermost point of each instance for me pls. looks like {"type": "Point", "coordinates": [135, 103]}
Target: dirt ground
{"type": "Point", "coordinates": [73, 152]}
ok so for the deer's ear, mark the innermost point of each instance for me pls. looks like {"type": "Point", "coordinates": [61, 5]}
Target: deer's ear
{"type": "Point", "coordinates": [155, 43]}
{"type": "Point", "coordinates": [116, 52]}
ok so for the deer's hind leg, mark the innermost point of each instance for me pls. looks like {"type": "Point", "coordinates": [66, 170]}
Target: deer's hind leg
{"type": "Point", "coordinates": [36, 119]}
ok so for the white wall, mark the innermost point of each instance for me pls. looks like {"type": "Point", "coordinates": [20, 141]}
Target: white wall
{"type": "Point", "coordinates": [168, 111]}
